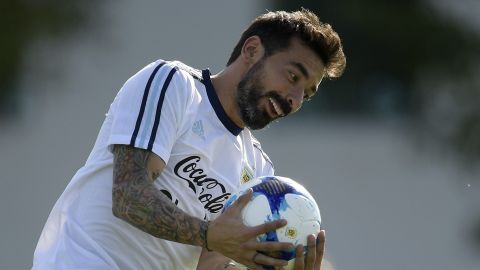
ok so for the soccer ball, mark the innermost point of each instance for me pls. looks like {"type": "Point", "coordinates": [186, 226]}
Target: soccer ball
{"type": "Point", "coordinates": [276, 197]}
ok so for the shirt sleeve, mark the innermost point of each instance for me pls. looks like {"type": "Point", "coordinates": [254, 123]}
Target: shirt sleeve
{"type": "Point", "coordinates": [151, 109]}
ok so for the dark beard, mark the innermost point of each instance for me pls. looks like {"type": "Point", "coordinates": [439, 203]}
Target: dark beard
{"type": "Point", "coordinates": [249, 93]}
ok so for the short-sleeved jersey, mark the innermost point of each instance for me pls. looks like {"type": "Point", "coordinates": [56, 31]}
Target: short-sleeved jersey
{"type": "Point", "coordinates": [172, 110]}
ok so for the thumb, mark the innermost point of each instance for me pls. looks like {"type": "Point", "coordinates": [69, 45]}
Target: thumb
{"type": "Point", "coordinates": [243, 200]}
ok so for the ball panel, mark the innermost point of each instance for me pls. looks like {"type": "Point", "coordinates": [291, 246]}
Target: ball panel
{"type": "Point", "coordinates": [257, 211]}
{"type": "Point", "coordinates": [303, 207]}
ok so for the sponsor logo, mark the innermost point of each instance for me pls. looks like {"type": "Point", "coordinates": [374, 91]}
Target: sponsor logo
{"type": "Point", "coordinates": [211, 193]}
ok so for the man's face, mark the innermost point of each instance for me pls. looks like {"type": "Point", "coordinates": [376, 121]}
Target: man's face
{"type": "Point", "coordinates": [277, 85]}
{"type": "Point", "coordinates": [250, 92]}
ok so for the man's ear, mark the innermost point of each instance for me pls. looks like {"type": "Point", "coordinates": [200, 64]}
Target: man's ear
{"type": "Point", "coordinates": [252, 50]}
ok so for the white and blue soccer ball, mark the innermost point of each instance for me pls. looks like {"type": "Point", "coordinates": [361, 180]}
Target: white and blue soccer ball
{"type": "Point", "coordinates": [276, 197]}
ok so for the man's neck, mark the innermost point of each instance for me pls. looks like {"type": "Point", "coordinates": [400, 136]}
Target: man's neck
{"type": "Point", "coordinates": [225, 85]}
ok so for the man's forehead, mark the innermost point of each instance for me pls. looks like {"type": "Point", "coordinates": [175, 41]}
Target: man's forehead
{"type": "Point", "coordinates": [306, 55]}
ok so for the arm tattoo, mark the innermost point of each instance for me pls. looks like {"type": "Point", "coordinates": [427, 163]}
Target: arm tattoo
{"type": "Point", "coordinates": [155, 174]}
{"type": "Point", "coordinates": [136, 200]}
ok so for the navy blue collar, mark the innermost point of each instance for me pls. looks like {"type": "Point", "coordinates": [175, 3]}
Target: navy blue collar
{"type": "Point", "coordinates": [217, 106]}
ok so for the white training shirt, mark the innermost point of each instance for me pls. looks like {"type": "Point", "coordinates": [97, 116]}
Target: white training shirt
{"type": "Point", "coordinates": [172, 110]}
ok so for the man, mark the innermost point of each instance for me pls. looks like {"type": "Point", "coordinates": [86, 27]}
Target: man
{"type": "Point", "coordinates": [176, 144]}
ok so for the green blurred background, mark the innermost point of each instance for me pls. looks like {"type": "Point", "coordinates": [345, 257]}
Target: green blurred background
{"type": "Point", "coordinates": [412, 81]}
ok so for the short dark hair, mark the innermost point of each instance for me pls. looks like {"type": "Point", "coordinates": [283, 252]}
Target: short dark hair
{"type": "Point", "coordinates": [276, 30]}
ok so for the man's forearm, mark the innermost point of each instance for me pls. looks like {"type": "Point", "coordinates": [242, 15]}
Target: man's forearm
{"type": "Point", "coordinates": [136, 200]}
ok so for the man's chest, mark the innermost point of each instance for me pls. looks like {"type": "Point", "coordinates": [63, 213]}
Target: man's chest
{"type": "Point", "coordinates": [207, 164]}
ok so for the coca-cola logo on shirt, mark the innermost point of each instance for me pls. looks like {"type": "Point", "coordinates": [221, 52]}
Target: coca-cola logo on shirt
{"type": "Point", "coordinates": [205, 187]}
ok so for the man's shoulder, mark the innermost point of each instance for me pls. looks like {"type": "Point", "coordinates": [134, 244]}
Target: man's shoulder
{"type": "Point", "coordinates": [184, 77]}
{"type": "Point", "coordinates": [161, 82]}
{"type": "Point", "coordinates": [186, 69]}
{"type": "Point", "coordinates": [164, 68]}
{"type": "Point", "coordinates": [173, 77]}
{"type": "Point", "coordinates": [179, 71]}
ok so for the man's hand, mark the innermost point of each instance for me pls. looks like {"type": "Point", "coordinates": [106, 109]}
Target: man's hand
{"type": "Point", "coordinates": [314, 256]}
{"type": "Point", "coordinates": [212, 260]}
{"type": "Point", "coordinates": [228, 235]}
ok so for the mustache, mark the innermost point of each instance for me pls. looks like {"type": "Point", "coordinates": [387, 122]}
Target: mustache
{"type": "Point", "coordinates": [284, 104]}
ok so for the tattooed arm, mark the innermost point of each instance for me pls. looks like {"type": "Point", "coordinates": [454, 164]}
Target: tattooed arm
{"type": "Point", "coordinates": [136, 200]}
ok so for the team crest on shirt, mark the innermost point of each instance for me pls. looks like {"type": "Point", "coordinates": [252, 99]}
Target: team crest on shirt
{"type": "Point", "coordinates": [246, 175]}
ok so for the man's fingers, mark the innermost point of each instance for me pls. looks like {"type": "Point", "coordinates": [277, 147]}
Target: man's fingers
{"type": "Point", "coordinates": [311, 252]}
{"type": "Point", "coordinates": [261, 259]}
{"type": "Point", "coordinates": [266, 227]}
{"type": "Point", "coordinates": [321, 242]}
{"type": "Point", "coordinates": [320, 249]}
{"type": "Point", "coordinates": [269, 246]}
{"type": "Point", "coordinates": [299, 258]}
{"type": "Point", "coordinates": [243, 200]}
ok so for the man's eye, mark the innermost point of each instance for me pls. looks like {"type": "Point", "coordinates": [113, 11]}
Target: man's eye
{"type": "Point", "coordinates": [293, 77]}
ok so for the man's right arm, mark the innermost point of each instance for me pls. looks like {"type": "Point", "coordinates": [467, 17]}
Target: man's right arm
{"type": "Point", "coordinates": [137, 201]}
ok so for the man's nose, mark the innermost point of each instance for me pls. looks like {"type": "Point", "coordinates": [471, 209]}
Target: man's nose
{"type": "Point", "coordinates": [295, 98]}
